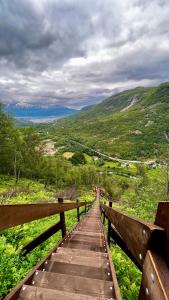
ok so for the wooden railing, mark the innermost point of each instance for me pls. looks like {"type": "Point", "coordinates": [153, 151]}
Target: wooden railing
{"type": "Point", "coordinates": [14, 215]}
{"type": "Point", "coordinates": [146, 244]}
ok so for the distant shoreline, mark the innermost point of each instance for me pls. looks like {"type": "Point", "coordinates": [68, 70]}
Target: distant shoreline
{"type": "Point", "coordinates": [38, 120]}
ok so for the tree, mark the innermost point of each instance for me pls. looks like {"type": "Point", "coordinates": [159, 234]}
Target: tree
{"type": "Point", "coordinates": [78, 158]}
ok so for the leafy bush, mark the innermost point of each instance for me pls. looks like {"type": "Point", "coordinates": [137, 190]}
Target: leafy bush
{"type": "Point", "coordinates": [78, 158]}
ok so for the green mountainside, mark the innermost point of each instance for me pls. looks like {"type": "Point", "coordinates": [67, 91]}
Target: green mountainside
{"type": "Point", "coordinates": [132, 124]}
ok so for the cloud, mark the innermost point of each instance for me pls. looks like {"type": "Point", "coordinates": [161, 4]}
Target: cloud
{"type": "Point", "coordinates": [77, 53]}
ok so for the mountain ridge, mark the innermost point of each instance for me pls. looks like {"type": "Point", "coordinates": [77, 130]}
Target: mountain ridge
{"type": "Point", "coordinates": [137, 132]}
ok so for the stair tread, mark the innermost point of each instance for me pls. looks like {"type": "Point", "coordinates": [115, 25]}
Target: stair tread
{"type": "Point", "coordinates": [85, 241]}
{"type": "Point", "coordinates": [38, 293]}
{"type": "Point", "coordinates": [99, 234]}
{"type": "Point", "coordinates": [88, 238]}
{"type": "Point", "coordinates": [83, 245]}
{"type": "Point", "coordinates": [78, 270]}
{"type": "Point", "coordinates": [80, 252]}
{"type": "Point", "coordinates": [100, 262]}
{"type": "Point", "coordinates": [74, 284]}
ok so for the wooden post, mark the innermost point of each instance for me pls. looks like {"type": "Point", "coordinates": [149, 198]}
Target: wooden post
{"type": "Point", "coordinates": [109, 227]}
{"type": "Point", "coordinates": [62, 220]}
{"type": "Point", "coordinates": [104, 217]}
{"type": "Point", "coordinates": [78, 215]}
{"type": "Point", "coordinates": [85, 206]}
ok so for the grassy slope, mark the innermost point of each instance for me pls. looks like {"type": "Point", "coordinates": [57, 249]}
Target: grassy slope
{"type": "Point", "coordinates": [138, 132]}
{"type": "Point", "coordinates": [13, 267]}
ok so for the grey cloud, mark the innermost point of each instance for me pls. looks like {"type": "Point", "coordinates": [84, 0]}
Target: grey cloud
{"type": "Point", "coordinates": [76, 52]}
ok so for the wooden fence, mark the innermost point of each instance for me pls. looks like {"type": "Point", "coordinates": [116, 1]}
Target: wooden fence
{"type": "Point", "coordinates": [146, 244]}
{"type": "Point", "coordinates": [13, 215]}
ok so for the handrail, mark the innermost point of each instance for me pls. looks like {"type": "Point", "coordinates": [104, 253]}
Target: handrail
{"type": "Point", "coordinates": [139, 236]}
{"type": "Point", "coordinates": [60, 208]}
{"type": "Point", "coordinates": [13, 215]}
{"type": "Point", "coordinates": [147, 245]}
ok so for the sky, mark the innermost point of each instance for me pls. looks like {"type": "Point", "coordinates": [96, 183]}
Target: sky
{"type": "Point", "coordinates": [76, 53]}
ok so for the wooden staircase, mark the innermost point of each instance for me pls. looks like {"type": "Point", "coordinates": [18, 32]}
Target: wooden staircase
{"type": "Point", "coordinates": [80, 269]}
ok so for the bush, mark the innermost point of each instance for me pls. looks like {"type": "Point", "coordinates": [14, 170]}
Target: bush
{"type": "Point", "coordinates": [78, 158]}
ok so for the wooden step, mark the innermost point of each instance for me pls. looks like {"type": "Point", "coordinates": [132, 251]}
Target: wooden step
{"type": "Point", "coordinates": [80, 252]}
{"type": "Point", "coordinates": [76, 244]}
{"type": "Point", "coordinates": [73, 284]}
{"type": "Point", "coordinates": [98, 262]}
{"type": "Point", "coordinates": [37, 293]}
{"type": "Point", "coordinates": [78, 270]}
{"type": "Point", "coordinates": [86, 241]}
{"type": "Point", "coordinates": [94, 234]}
{"type": "Point", "coordinates": [88, 238]}
{"type": "Point", "coordinates": [88, 229]}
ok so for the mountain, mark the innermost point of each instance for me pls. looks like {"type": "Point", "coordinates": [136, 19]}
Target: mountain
{"type": "Point", "coordinates": [36, 113]}
{"type": "Point", "coordinates": [132, 124]}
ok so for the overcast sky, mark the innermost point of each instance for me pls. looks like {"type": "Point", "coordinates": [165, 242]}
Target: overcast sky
{"type": "Point", "coordinates": [77, 53]}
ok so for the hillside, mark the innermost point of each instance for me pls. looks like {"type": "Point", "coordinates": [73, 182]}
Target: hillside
{"type": "Point", "coordinates": [132, 124]}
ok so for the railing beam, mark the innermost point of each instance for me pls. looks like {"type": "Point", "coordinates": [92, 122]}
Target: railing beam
{"type": "Point", "coordinates": [139, 236]}
{"type": "Point", "coordinates": [13, 215]}
{"type": "Point", "coordinates": [119, 241]}
{"type": "Point", "coordinates": [155, 278]}
{"type": "Point", "coordinates": [41, 238]}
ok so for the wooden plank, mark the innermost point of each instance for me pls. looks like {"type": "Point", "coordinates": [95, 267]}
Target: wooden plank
{"type": "Point", "coordinates": [78, 270]}
{"type": "Point", "coordinates": [119, 241]}
{"type": "Point", "coordinates": [13, 295]}
{"type": "Point", "coordinates": [41, 238]}
{"type": "Point", "coordinates": [39, 293]}
{"type": "Point", "coordinates": [162, 219]}
{"type": "Point", "coordinates": [83, 245]}
{"type": "Point", "coordinates": [13, 215]}
{"type": "Point", "coordinates": [155, 279]}
{"type": "Point", "coordinates": [139, 236]}
{"type": "Point", "coordinates": [74, 284]}
{"type": "Point", "coordinates": [116, 290]}
{"type": "Point", "coordinates": [80, 252]}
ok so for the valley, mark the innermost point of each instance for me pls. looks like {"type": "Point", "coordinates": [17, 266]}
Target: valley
{"type": "Point", "coordinates": [137, 133]}
{"type": "Point", "coordinates": [120, 145]}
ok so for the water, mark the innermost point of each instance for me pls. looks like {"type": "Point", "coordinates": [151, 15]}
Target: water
{"type": "Point", "coordinates": [38, 120]}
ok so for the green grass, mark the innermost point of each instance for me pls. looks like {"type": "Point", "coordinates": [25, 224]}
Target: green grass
{"type": "Point", "coordinates": [13, 266]}
{"type": "Point", "coordinates": [138, 198]}
{"type": "Point", "coordinates": [28, 191]}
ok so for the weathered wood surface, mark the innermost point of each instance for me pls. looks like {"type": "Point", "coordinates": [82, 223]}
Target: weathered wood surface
{"type": "Point", "coordinates": [139, 236]}
{"type": "Point", "coordinates": [162, 219]}
{"type": "Point", "coordinates": [119, 241]}
{"type": "Point", "coordinates": [77, 273]}
{"type": "Point", "coordinates": [13, 215]}
{"type": "Point", "coordinates": [155, 278]}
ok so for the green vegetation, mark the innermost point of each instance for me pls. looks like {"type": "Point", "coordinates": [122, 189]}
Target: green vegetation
{"type": "Point", "coordinates": [78, 158]}
{"type": "Point", "coordinates": [28, 175]}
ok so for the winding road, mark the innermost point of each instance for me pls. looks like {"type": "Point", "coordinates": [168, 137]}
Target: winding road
{"type": "Point", "coordinates": [115, 158]}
